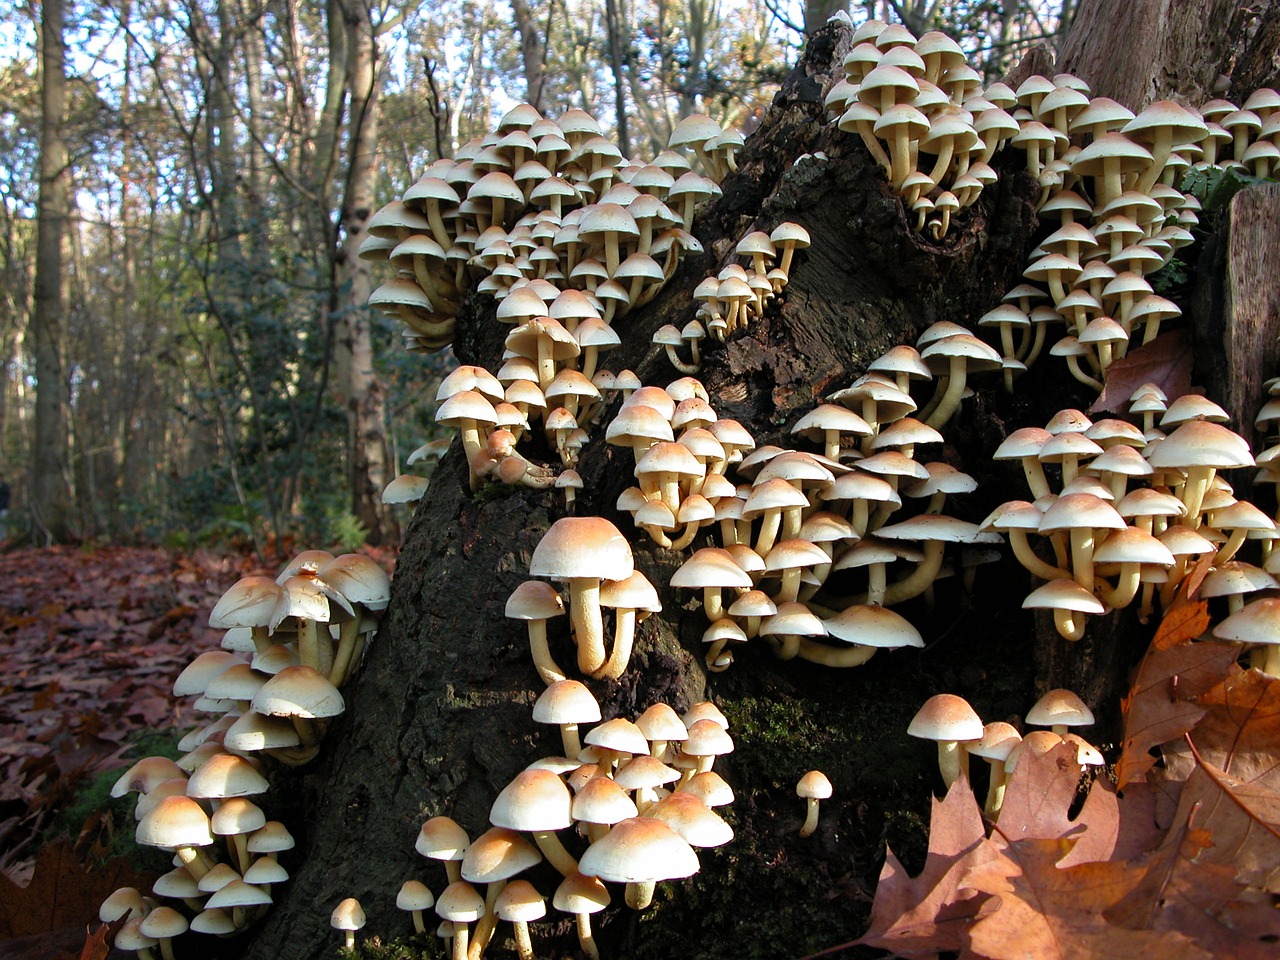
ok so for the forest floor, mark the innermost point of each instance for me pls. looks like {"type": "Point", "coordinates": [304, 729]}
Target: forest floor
{"type": "Point", "coordinates": [90, 643]}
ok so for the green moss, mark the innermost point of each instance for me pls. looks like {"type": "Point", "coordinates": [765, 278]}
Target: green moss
{"type": "Point", "coordinates": [415, 947]}
{"type": "Point", "coordinates": [106, 822]}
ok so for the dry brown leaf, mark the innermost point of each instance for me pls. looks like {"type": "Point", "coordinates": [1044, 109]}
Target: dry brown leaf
{"type": "Point", "coordinates": [1165, 361]}
{"type": "Point", "coordinates": [920, 916]}
{"type": "Point", "coordinates": [1058, 914]}
{"type": "Point", "coordinates": [62, 893]}
{"type": "Point", "coordinates": [1183, 890]}
{"type": "Point", "coordinates": [1162, 704]}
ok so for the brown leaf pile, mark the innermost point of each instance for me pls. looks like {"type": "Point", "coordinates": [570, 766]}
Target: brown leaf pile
{"type": "Point", "coordinates": [89, 646]}
{"type": "Point", "coordinates": [1179, 860]}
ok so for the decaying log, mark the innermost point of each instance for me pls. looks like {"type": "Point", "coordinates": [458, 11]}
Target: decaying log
{"type": "Point", "coordinates": [1237, 306]}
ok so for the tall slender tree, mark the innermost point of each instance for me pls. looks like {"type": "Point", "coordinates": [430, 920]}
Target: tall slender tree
{"type": "Point", "coordinates": [49, 485]}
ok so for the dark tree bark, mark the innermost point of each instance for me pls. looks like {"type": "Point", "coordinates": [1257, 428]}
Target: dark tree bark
{"type": "Point", "coordinates": [50, 492]}
{"type": "Point", "coordinates": [439, 720]}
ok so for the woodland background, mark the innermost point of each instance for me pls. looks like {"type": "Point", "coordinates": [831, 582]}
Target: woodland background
{"type": "Point", "coordinates": [189, 362]}
{"type": "Point", "coordinates": [188, 358]}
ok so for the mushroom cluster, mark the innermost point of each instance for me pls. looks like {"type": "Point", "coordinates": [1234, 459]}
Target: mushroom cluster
{"type": "Point", "coordinates": [637, 800]}
{"type": "Point", "coordinates": [543, 203]}
{"type": "Point", "coordinates": [788, 521]}
{"type": "Point", "coordinates": [289, 643]}
{"type": "Point", "coordinates": [911, 99]}
{"type": "Point", "coordinates": [547, 217]}
{"type": "Point", "coordinates": [1133, 509]}
{"type": "Point", "coordinates": [959, 733]}
{"type": "Point", "coordinates": [1111, 180]}
{"type": "Point", "coordinates": [730, 299]}
{"type": "Point", "coordinates": [1109, 177]}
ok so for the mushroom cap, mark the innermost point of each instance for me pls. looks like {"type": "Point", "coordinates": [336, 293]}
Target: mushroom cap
{"type": "Point", "coordinates": [582, 547]}
{"type": "Point", "coordinates": [580, 894]}
{"type": "Point", "coordinates": [176, 821]}
{"type": "Point", "coordinates": [347, 915]}
{"type": "Point", "coordinates": [519, 902]}
{"type": "Point", "coordinates": [566, 701]}
{"type": "Point", "coordinates": [1201, 443]}
{"type": "Point", "coordinates": [1060, 707]}
{"type": "Point", "coordinates": [998, 740]}
{"type": "Point", "coordinates": [640, 850]}
{"type": "Point", "coordinates": [534, 600]}
{"type": "Point", "coordinates": [299, 691]}
{"type": "Point", "coordinates": [459, 902]}
{"type": "Point", "coordinates": [692, 819]}
{"type": "Point", "coordinates": [869, 625]}
{"type": "Point", "coordinates": [1257, 622]}
{"type": "Point", "coordinates": [441, 838]}
{"type": "Point", "coordinates": [534, 800]}
{"type": "Point", "coordinates": [945, 716]}
{"type": "Point", "coordinates": [226, 775]}
{"type": "Point", "coordinates": [814, 785]}
{"type": "Point", "coordinates": [497, 854]}
{"type": "Point", "coordinates": [415, 895]}
{"type": "Point", "coordinates": [247, 603]}
{"type": "Point", "coordinates": [1063, 595]}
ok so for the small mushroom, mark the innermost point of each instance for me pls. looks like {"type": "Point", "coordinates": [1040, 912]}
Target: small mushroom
{"type": "Point", "coordinates": [347, 916]}
{"type": "Point", "coordinates": [812, 788]}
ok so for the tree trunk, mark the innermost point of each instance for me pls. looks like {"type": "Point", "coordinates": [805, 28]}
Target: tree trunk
{"type": "Point", "coordinates": [367, 452]}
{"type": "Point", "coordinates": [438, 721]}
{"type": "Point", "coordinates": [50, 494]}
{"type": "Point", "coordinates": [533, 49]}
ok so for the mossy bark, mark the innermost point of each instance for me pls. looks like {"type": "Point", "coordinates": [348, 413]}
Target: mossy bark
{"type": "Point", "coordinates": [439, 720]}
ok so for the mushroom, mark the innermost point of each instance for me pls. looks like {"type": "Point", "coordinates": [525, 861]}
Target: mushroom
{"type": "Point", "coordinates": [813, 787]}
{"type": "Point", "coordinates": [639, 852]}
{"type": "Point", "coordinates": [949, 721]}
{"type": "Point", "coordinates": [582, 896]}
{"type": "Point", "coordinates": [414, 897]}
{"type": "Point", "coordinates": [584, 551]}
{"type": "Point", "coordinates": [518, 903]}
{"type": "Point", "coordinates": [536, 602]}
{"type": "Point", "coordinates": [348, 917]}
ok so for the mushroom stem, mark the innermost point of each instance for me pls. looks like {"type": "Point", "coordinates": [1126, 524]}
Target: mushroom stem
{"type": "Point", "coordinates": [588, 626]}
{"type": "Point", "coordinates": [639, 894]}
{"type": "Point", "coordinates": [550, 671]}
{"type": "Point", "coordinates": [995, 790]}
{"type": "Point", "coordinates": [953, 761]}
{"type": "Point", "coordinates": [810, 817]}
{"type": "Point", "coordinates": [554, 851]}
{"type": "Point", "coordinates": [1027, 557]}
{"type": "Point", "coordinates": [487, 924]}
{"type": "Point", "coordinates": [851, 656]}
{"type": "Point", "coordinates": [585, 938]}
{"type": "Point", "coordinates": [348, 632]}
{"type": "Point", "coordinates": [949, 400]}
{"type": "Point", "coordinates": [624, 632]}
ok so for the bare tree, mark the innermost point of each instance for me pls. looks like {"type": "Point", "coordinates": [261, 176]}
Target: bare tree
{"type": "Point", "coordinates": [50, 493]}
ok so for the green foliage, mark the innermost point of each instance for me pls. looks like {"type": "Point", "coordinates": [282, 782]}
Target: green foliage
{"type": "Point", "coordinates": [93, 811]}
{"type": "Point", "coordinates": [346, 532]}
{"type": "Point", "coordinates": [1215, 187]}
{"type": "Point", "coordinates": [414, 947]}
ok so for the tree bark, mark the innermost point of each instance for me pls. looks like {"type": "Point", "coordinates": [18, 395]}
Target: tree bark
{"type": "Point", "coordinates": [368, 457]}
{"type": "Point", "coordinates": [533, 49]}
{"type": "Point", "coordinates": [49, 489]}
{"type": "Point", "coordinates": [438, 721]}
{"type": "Point", "coordinates": [1172, 48]}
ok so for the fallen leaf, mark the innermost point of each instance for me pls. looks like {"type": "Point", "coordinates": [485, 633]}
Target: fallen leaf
{"type": "Point", "coordinates": [1162, 703]}
{"type": "Point", "coordinates": [1183, 890]}
{"type": "Point", "coordinates": [1165, 361]}
{"type": "Point", "coordinates": [1058, 914]}
{"type": "Point", "coordinates": [920, 916]}
{"type": "Point", "coordinates": [62, 892]}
